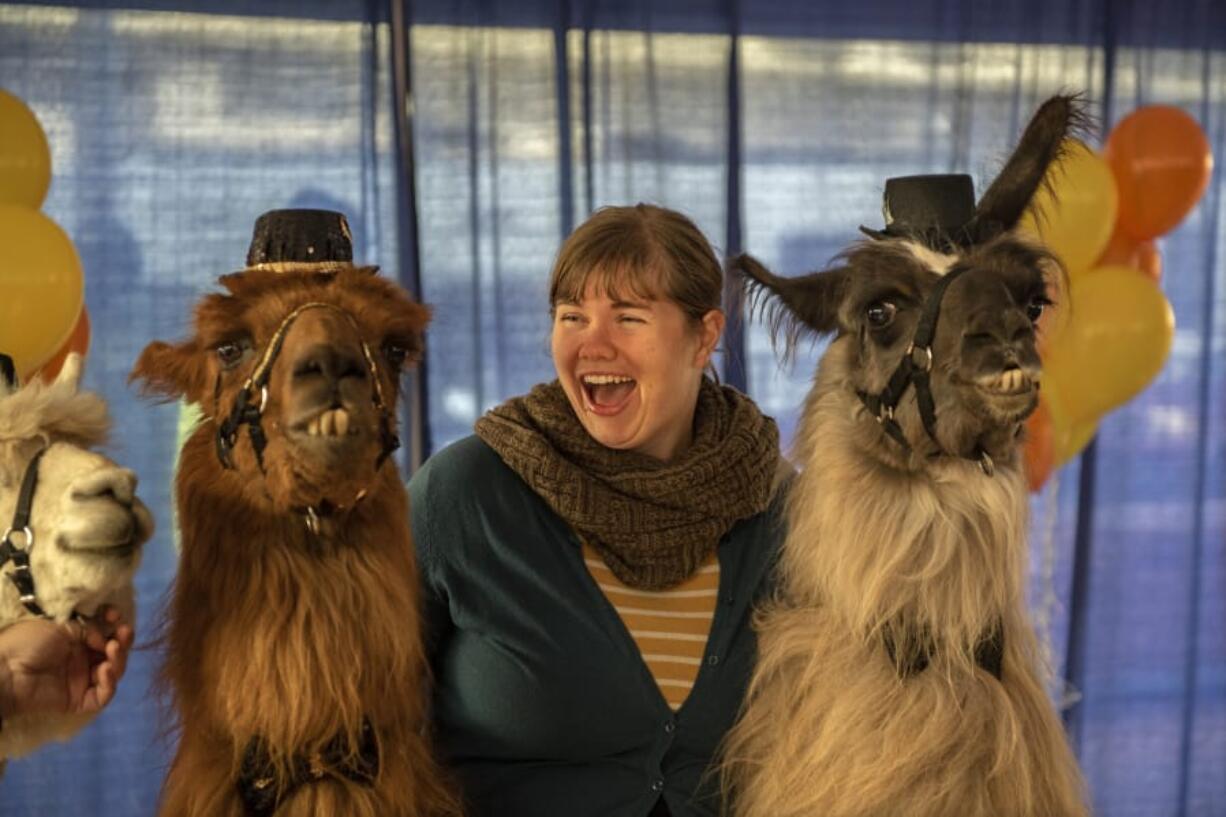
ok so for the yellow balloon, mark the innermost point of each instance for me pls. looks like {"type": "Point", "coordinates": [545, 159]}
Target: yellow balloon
{"type": "Point", "coordinates": [1117, 339]}
{"type": "Point", "coordinates": [1069, 442]}
{"type": "Point", "coordinates": [1074, 211]}
{"type": "Point", "coordinates": [1067, 438]}
{"type": "Point", "coordinates": [41, 287]}
{"type": "Point", "coordinates": [25, 158]}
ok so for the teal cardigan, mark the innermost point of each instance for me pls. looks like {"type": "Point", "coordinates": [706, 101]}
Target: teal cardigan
{"type": "Point", "coordinates": [542, 703]}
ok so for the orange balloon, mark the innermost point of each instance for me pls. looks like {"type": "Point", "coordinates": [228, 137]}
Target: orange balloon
{"type": "Point", "coordinates": [1162, 162]}
{"type": "Point", "coordinates": [1149, 261]}
{"type": "Point", "coordinates": [1039, 451]}
{"type": "Point", "coordinates": [77, 342]}
{"type": "Point", "coordinates": [1125, 251]}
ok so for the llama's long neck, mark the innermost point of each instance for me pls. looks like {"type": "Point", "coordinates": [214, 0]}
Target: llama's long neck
{"type": "Point", "coordinates": [942, 548]}
{"type": "Point", "coordinates": [274, 634]}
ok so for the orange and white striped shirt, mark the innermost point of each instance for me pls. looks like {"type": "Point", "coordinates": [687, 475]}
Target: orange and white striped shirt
{"type": "Point", "coordinates": [669, 626]}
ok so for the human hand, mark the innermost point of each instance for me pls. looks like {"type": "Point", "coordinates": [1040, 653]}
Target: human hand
{"type": "Point", "coordinates": [71, 668]}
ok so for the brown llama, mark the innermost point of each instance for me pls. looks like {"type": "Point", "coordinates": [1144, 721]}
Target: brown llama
{"type": "Point", "coordinates": [293, 658]}
{"type": "Point", "coordinates": [898, 674]}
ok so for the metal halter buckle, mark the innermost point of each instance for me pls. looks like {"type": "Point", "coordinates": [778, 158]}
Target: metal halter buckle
{"type": "Point", "coordinates": [312, 520]}
{"type": "Point", "coordinates": [29, 534]}
{"type": "Point", "coordinates": [925, 363]}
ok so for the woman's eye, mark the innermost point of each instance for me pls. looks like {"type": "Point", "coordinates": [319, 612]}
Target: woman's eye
{"type": "Point", "coordinates": [1034, 309]}
{"type": "Point", "coordinates": [880, 314]}
{"type": "Point", "coordinates": [230, 353]}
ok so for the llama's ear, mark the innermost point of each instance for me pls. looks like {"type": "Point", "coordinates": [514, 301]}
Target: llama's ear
{"type": "Point", "coordinates": [70, 371]}
{"type": "Point", "coordinates": [172, 371]}
{"type": "Point", "coordinates": [809, 302]}
{"type": "Point", "coordinates": [1002, 206]}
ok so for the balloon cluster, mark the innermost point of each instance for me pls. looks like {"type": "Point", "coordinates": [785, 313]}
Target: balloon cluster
{"type": "Point", "coordinates": [1101, 213]}
{"type": "Point", "coordinates": [42, 308]}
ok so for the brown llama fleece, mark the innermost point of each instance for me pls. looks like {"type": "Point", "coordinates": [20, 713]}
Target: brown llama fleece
{"type": "Point", "coordinates": [280, 636]}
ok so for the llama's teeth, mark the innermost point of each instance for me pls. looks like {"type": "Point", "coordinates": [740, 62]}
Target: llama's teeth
{"type": "Point", "coordinates": [313, 427]}
{"type": "Point", "coordinates": [341, 418]}
{"type": "Point", "coordinates": [327, 423]}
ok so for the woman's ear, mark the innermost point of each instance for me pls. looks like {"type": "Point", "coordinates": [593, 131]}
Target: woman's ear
{"type": "Point", "coordinates": [710, 331]}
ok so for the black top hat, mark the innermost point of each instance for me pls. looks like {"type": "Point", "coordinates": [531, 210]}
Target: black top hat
{"type": "Point", "coordinates": [301, 240]}
{"type": "Point", "coordinates": [936, 210]}
{"type": "Point", "coordinates": [8, 372]}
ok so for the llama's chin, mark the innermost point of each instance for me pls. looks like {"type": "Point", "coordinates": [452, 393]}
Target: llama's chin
{"type": "Point", "coordinates": [111, 531]}
{"type": "Point", "coordinates": [321, 471]}
{"type": "Point", "coordinates": [1009, 409]}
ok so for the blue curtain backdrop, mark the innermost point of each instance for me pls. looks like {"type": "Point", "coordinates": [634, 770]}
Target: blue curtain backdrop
{"type": "Point", "coordinates": [774, 125]}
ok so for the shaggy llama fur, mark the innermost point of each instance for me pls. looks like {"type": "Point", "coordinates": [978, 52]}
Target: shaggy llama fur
{"type": "Point", "coordinates": [872, 695]}
{"type": "Point", "coordinates": [276, 632]}
{"type": "Point", "coordinates": [87, 522]}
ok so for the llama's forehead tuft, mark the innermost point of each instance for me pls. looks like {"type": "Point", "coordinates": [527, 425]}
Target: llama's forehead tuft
{"type": "Point", "coordinates": [257, 301]}
{"type": "Point", "coordinates": [938, 263]}
{"type": "Point", "coordinates": [53, 411]}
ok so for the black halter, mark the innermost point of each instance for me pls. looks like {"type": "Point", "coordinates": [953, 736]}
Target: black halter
{"type": "Point", "coordinates": [246, 412]}
{"type": "Point", "coordinates": [915, 368]}
{"type": "Point", "coordinates": [21, 577]}
{"type": "Point", "coordinates": [263, 792]}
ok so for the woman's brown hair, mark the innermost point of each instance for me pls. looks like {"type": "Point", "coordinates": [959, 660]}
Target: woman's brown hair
{"type": "Point", "coordinates": [645, 250]}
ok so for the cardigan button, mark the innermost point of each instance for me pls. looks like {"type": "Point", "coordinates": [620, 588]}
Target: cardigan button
{"type": "Point", "coordinates": [657, 785]}
{"type": "Point", "coordinates": [670, 727]}
{"type": "Point", "coordinates": [712, 659]}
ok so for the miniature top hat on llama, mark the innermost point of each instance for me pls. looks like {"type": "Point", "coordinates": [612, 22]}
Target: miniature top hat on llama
{"type": "Point", "coordinates": [937, 210]}
{"type": "Point", "coordinates": [301, 241]}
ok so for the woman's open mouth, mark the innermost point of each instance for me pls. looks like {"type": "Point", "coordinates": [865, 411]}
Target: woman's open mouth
{"type": "Point", "coordinates": [606, 394]}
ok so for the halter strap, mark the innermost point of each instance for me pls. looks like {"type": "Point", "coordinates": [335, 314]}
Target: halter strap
{"type": "Point", "coordinates": [989, 653]}
{"type": "Point", "coordinates": [262, 793]}
{"type": "Point", "coordinates": [915, 369]}
{"type": "Point", "coordinates": [21, 577]}
{"type": "Point", "coordinates": [244, 412]}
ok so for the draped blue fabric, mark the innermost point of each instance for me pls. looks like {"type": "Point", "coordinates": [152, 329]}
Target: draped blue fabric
{"type": "Point", "coordinates": [174, 124]}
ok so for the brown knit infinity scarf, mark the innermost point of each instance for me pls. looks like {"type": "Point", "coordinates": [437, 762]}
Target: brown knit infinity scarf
{"type": "Point", "coordinates": [652, 522]}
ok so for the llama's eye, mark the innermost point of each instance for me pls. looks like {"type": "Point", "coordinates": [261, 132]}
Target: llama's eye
{"type": "Point", "coordinates": [396, 354]}
{"type": "Point", "coordinates": [1034, 309]}
{"type": "Point", "coordinates": [880, 314]}
{"type": "Point", "coordinates": [229, 353]}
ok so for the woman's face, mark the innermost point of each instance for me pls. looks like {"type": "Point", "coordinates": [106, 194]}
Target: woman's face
{"type": "Point", "coordinates": [632, 368]}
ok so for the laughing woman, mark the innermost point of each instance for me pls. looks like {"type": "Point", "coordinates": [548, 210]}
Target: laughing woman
{"type": "Point", "coordinates": [592, 554]}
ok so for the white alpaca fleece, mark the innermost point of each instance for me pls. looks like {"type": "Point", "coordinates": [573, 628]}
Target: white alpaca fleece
{"type": "Point", "coordinates": [829, 727]}
{"type": "Point", "coordinates": [86, 521]}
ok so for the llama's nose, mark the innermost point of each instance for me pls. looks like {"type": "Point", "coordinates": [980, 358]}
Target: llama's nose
{"type": "Point", "coordinates": [117, 483]}
{"type": "Point", "coordinates": [333, 363]}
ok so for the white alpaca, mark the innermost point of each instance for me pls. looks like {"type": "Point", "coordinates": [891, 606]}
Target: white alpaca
{"type": "Point", "coordinates": [87, 524]}
{"type": "Point", "coordinates": [898, 674]}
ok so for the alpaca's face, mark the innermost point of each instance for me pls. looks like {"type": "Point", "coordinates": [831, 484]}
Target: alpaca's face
{"type": "Point", "coordinates": [320, 417]}
{"type": "Point", "coordinates": [88, 527]}
{"type": "Point", "coordinates": [87, 523]}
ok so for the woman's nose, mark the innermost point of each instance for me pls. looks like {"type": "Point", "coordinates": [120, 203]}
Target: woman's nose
{"type": "Point", "coordinates": [596, 343]}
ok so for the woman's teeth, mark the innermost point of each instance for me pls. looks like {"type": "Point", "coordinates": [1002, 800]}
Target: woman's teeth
{"type": "Point", "coordinates": [606, 379]}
